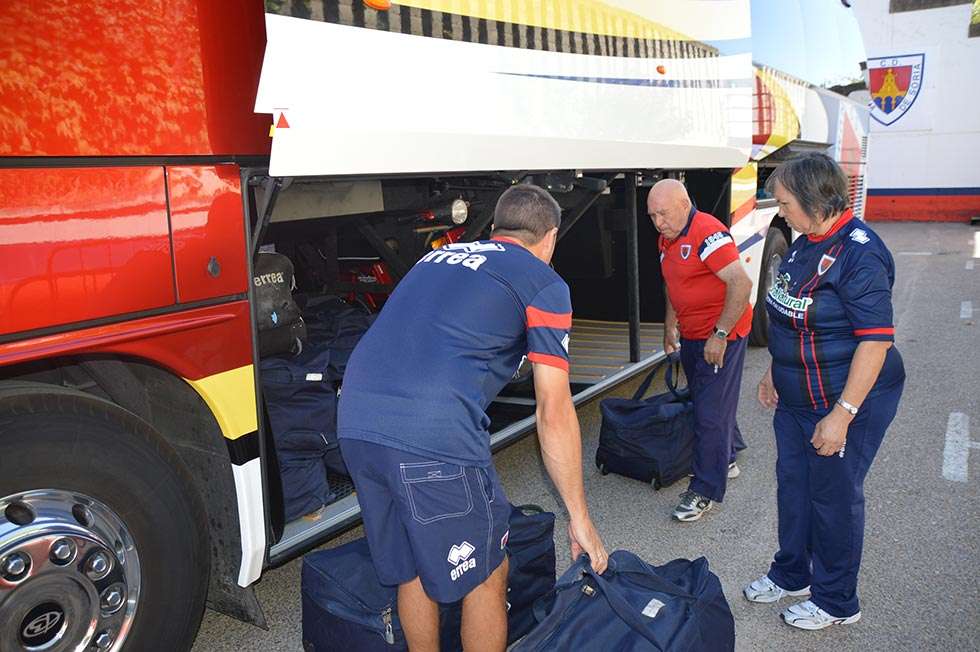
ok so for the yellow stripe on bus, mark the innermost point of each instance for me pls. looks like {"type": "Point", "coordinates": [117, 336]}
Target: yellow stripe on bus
{"type": "Point", "coordinates": [586, 16]}
{"type": "Point", "coordinates": [785, 122]}
{"type": "Point", "coordinates": [231, 397]}
{"type": "Point", "coordinates": [744, 185]}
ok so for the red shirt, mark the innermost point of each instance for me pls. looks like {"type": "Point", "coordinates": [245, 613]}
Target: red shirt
{"type": "Point", "coordinates": [690, 265]}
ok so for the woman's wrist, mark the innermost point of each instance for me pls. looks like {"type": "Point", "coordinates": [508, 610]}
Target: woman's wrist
{"type": "Point", "coordinates": [842, 408]}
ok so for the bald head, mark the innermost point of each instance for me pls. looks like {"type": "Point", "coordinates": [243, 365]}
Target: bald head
{"type": "Point", "coordinates": [668, 206]}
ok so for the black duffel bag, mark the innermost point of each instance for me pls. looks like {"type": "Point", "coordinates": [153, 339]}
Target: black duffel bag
{"type": "Point", "coordinates": [345, 606]}
{"type": "Point", "coordinates": [649, 439]}
{"type": "Point", "coordinates": [278, 318]}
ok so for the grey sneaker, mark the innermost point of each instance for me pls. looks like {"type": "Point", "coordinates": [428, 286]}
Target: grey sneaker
{"type": "Point", "coordinates": [807, 615]}
{"type": "Point", "coordinates": [765, 590]}
{"type": "Point", "coordinates": [733, 471]}
{"type": "Point", "coordinates": [692, 506]}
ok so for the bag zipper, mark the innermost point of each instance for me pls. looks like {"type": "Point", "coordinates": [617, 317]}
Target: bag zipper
{"type": "Point", "coordinates": [389, 630]}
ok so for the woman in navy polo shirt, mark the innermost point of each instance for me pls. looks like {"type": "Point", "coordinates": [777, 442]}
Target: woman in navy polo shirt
{"type": "Point", "coordinates": [835, 380]}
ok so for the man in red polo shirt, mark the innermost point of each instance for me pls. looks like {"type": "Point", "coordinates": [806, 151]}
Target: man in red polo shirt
{"type": "Point", "coordinates": [708, 301]}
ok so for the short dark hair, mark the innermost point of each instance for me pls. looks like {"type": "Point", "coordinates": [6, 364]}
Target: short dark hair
{"type": "Point", "coordinates": [816, 181]}
{"type": "Point", "coordinates": [526, 212]}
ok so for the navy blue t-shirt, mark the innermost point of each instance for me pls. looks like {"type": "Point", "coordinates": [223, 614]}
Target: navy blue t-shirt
{"type": "Point", "coordinates": [449, 338]}
{"type": "Point", "coordinates": [831, 293]}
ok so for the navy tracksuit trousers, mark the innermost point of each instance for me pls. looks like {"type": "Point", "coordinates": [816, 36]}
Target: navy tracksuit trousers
{"type": "Point", "coordinates": [715, 396]}
{"type": "Point", "coordinates": [821, 502]}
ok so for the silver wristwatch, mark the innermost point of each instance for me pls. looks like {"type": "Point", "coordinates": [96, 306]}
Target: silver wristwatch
{"type": "Point", "coordinates": [720, 333]}
{"type": "Point", "coordinates": [847, 406]}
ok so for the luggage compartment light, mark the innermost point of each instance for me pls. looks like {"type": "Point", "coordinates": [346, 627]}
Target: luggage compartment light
{"type": "Point", "coordinates": [380, 5]}
{"type": "Point", "coordinates": [460, 211]}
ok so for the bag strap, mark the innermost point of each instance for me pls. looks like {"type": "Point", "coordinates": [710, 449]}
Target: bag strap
{"type": "Point", "coordinates": [624, 609]}
{"type": "Point", "coordinates": [645, 385]}
{"type": "Point", "coordinates": [671, 361]}
{"type": "Point", "coordinates": [671, 380]}
{"type": "Point", "coordinates": [529, 509]}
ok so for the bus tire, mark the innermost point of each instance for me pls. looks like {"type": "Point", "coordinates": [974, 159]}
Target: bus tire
{"type": "Point", "coordinates": [102, 522]}
{"type": "Point", "coordinates": [772, 257]}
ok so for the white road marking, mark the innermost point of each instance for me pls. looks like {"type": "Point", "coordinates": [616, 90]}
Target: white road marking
{"type": "Point", "coordinates": [915, 253]}
{"type": "Point", "coordinates": [976, 244]}
{"type": "Point", "coordinates": [969, 264]}
{"type": "Point", "coordinates": [956, 454]}
{"type": "Point", "coordinates": [966, 310]}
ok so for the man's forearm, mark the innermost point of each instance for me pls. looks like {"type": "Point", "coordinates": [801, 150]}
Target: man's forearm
{"type": "Point", "coordinates": [736, 301]}
{"type": "Point", "coordinates": [561, 450]}
{"type": "Point", "coordinates": [670, 317]}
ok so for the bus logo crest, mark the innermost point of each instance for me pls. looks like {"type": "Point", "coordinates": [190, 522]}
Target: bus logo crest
{"type": "Point", "coordinates": [895, 83]}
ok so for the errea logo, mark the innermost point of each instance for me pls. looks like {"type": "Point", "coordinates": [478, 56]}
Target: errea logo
{"type": "Point", "coordinates": [461, 558]}
{"type": "Point", "coordinates": [860, 236]}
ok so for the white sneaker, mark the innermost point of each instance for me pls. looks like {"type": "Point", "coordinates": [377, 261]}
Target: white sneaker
{"type": "Point", "coordinates": [692, 506]}
{"type": "Point", "coordinates": [733, 471]}
{"type": "Point", "coordinates": [764, 590]}
{"type": "Point", "coordinates": [807, 615]}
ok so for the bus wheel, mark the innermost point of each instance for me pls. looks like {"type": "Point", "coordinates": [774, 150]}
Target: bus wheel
{"type": "Point", "coordinates": [103, 542]}
{"type": "Point", "coordinates": [772, 258]}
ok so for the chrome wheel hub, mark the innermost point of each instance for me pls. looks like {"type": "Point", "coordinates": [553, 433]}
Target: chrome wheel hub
{"type": "Point", "coordinates": [69, 574]}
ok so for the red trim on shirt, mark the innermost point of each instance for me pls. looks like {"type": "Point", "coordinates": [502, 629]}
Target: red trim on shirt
{"type": "Point", "coordinates": [838, 225]}
{"type": "Point", "coordinates": [806, 368]}
{"type": "Point", "coordinates": [549, 360]}
{"type": "Point", "coordinates": [861, 332]}
{"type": "Point", "coordinates": [537, 318]}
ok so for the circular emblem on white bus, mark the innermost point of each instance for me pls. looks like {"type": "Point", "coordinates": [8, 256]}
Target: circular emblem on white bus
{"type": "Point", "coordinates": [42, 624]}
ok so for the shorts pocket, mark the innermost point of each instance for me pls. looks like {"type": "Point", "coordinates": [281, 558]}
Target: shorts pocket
{"type": "Point", "coordinates": [436, 490]}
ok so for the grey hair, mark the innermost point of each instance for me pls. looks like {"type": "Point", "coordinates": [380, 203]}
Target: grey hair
{"type": "Point", "coordinates": [526, 212]}
{"type": "Point", "coordinates": [816, 181]}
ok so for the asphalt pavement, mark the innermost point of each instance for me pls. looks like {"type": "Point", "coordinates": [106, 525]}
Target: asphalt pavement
{"type": "Point", "coordinates": [920, 578]}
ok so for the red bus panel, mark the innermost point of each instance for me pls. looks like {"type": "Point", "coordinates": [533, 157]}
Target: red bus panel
{"type": "Point", "coordinates": [209, 231]}
{"type": "Point", "coordinates": [82, 243]}
{"type": "Point", "coordinates": [131, 78]}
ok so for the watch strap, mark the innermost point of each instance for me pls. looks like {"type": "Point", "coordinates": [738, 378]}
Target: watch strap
{"type": "Point", "coordinates": [847, 406]}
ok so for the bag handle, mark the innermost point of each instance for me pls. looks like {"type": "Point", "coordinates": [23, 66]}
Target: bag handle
{"type": "Point", "coordinates": [671, 361]}
{"type": "Point", "coordinates": [624, 609]}
{"type": "Point", "coordinates": [529, 509]}
{"type": "Point", "coordinates": [671, 381]}
{"type": "Point", "coordinates": [645, 385]}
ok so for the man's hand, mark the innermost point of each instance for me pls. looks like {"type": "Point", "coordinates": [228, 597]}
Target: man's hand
{"type": "Point", "coordinates": [671, 341]}
{"type": "Point", "coordinates": [831, 432]}
{"type": "Point", "coordinates": [768, 396]}
{"type": "Point", "coordinates": [583, 537]}
{"type": "Point", "coordinates": [714, 351]}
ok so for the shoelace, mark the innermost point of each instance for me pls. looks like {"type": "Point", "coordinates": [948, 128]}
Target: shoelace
{"type": "Point", "coordinates": [690, 498]}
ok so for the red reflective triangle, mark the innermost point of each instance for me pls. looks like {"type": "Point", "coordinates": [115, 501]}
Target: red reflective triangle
{"type": "Point", "coordinates": [282, 124]}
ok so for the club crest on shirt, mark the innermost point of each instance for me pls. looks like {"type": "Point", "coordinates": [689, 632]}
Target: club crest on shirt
{"type": "Point", "coordinates": [685, 251]}
{"type": "Point", "coordinates": [824, 264]}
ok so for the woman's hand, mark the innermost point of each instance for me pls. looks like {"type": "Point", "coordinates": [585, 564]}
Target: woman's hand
{"type": "Point", "coordinates": [831, 432]}
{"type": "Point", "coordinates": [767, 391]}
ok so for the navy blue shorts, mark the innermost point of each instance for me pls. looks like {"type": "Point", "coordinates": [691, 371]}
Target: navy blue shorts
{"type": "Point", "coordinates": [444, 523]}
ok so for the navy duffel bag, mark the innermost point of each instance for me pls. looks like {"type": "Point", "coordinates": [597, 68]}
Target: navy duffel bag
{"type": "Point", "coordinates": [345, 606]}
{"type": "Point", "coordinates": [649, 439]}
{"type": "Point", "coordinates": [634, 607]}
{"type": "Point", "coordinates": [301, 403]}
